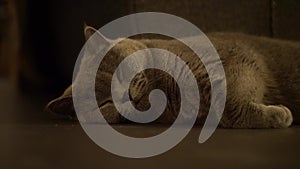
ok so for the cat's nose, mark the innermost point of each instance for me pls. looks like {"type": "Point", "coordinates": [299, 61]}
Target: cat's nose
{"type": "Point", "coordinates": [126, 96]}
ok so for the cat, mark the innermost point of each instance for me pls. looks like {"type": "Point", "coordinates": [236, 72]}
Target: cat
{"type": "Point", "coordinates": [262, 76]}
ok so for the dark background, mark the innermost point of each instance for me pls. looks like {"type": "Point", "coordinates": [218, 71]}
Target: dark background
{"type": "Point", "coordinates": [50, 33]}
{"type": "Point", "coordinates": [39, 43]}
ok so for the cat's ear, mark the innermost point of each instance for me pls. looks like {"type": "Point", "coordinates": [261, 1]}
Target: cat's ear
{"type": "Point", "coordinates": [98, 40]}
{"type": "Point", "coordinates": [89, 31]}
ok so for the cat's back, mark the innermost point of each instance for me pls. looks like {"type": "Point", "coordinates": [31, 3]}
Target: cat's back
{"type": "Point", "coordinates": [279, 60]}
{"type": "Point", "coordinates": [281, 57]}
{"type": "Point", "coordinates": [272, 51]}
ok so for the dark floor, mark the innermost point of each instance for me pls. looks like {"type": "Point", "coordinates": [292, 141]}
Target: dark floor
{"type": "Point", "coordinates": [33, 139]}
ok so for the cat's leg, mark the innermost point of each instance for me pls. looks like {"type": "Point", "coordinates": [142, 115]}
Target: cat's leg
{"type": "Point", "coordinates": [257, 115]}
{"type": "Point", "coordinates": [245, 107]}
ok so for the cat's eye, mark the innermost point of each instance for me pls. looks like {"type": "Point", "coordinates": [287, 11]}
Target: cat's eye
{"type": "Point", "coordinates": [105, 103]}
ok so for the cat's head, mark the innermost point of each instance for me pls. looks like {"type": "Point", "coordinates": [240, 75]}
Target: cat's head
{"type": "Point", "coordinates": [139, 87]}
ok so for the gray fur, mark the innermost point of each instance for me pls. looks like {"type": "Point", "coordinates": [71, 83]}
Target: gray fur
{"type": "Point", "coordinates": [262, 77]}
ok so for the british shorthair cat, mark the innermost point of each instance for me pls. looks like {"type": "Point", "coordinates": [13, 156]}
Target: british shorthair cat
{"type": "Point", "coordinates": [262, 76]}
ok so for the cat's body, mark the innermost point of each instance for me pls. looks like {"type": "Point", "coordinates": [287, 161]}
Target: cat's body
{"type": "Point", "coordinates": [262, 76]}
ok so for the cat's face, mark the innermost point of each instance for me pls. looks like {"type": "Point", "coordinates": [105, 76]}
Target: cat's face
{"type": "Point", "coordinates": [138, 89]}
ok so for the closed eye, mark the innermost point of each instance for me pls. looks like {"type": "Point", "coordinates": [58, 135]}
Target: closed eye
{"type": "Point", "coordinates": [105, 103]}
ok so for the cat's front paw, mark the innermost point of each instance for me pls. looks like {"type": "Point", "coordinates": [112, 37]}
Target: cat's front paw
{"type": "Point", "coordinates": [279, 116]}
{"type": "Point", "coordinates": [110, 114]}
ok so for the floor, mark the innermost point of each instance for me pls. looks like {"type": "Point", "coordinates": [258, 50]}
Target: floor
{"type": "Point", "coordinates": [31, 138]}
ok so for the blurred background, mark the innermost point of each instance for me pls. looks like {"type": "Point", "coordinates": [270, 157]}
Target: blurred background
{"type": "Point", "coordinates": [39, 44]}
{"type": "Point", "coordinates": [40, 40]}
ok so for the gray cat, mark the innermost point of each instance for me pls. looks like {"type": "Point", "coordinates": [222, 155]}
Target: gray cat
{"type": "Point", "coordinates": [262, 74]}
